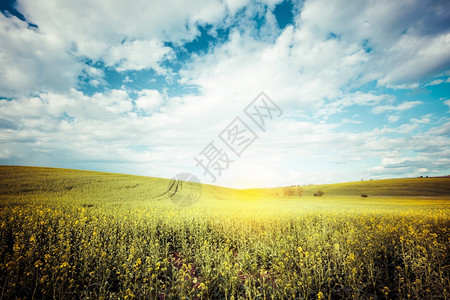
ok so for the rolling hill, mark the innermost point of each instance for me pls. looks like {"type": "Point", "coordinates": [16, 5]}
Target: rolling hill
{"type": "Point", "coordinates": [110, 187]}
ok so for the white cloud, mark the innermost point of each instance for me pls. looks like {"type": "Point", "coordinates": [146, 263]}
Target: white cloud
{"type": "Point", "coordinates": [393, 118]}
{"type": "Point", "coordinates": [49, 57]}
{"type": "Point", "coordinates": [403, 86]}
{"type": "Point", "coordinates": [407, 40]}
{"type": "Point", "coordinates": [234, 5]}
{"type": "Point", "coordinates": [94, 76]}
{"type": "Point", "coordinates": [176, 131]}
{"type": "Point", "coordinates": [243, 67]}
{"type": "Point", "coordinates": [149, 100]}
{"type": "Point", "coordinates": [401, 107]}
{"type": "Point", "coordinates": [358, 98]}
{"type": "Point", "coordinates": [115, 101]}
{"type": "Point", "coordinates": [138, 55]}
{"type": "Point", "coordinates": [107, 23]}
{"type": "Point", "coordinates": [447, 102]}
{"type": "Point", "coordinates": [107, 34]}
{"type": "Point", "coordinates": [420, 56]}
{"type": "Point", "coordinates": [424, 120]}
{"type": "Point", "coordinates": [94, 82]}
{"type": "Point", "coordinates": [309, 73]}
{"type": "Point", "coordinates": [435, 82]}
{"type": "Point", "coordinates": [33, 61]}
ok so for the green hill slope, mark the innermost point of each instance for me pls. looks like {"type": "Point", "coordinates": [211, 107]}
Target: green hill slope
{"type": "Point", "coordinates": [417, 187]}
{"type": "Point", "coordinates": [405, 187]}
{"type": "Point", "coordinates": [90, 187]}
{"type": "Point", "coordinates": [48, 183]}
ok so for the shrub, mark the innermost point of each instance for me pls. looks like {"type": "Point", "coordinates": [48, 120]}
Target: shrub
{"type": "Point", "coordinates": [289, 191]}
{"type": "Point", "coordinates": [319, 193]}
{"type": "Point", "coordinates": [363, 195]}
{"type": "Point", "coordinates": [293, 191]}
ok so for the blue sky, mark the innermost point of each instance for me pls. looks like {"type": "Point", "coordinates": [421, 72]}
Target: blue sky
{"type": "Point", "coordinates": [143, 87]}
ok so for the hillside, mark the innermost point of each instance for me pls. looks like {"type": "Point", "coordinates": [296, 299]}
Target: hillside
{"type": "Point", "coordinates": [405, 187]}
{"type": "Point", "coordinates": [72, 234]}
{"type": "Point", "coordinates": [76, 185]}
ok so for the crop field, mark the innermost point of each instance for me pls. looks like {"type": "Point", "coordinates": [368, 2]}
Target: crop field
{"type": "Point", "coordinates": [70, 234]}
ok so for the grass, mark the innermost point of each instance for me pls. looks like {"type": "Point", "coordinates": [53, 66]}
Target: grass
{"type": "Point", "coordinates": [71, 234]}
{"type": "Point", "coordinates": [405, 187]}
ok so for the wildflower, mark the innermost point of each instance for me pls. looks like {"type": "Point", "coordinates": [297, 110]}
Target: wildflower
{"type": "Point", "coordinates": [16, 247]}
{"type": "Point", "coordinates": [43, 278]}
{"type": "Point", "coordinates": [137, 263]}
{"type": "Point", "coordinates": [38, 263]}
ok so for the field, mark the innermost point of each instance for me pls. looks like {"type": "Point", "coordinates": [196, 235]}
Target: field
{"type": "Point", "coordinates": [70, 234]}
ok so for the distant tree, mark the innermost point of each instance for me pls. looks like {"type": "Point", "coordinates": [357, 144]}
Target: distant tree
{"type": "Point", "coordinates": [319, 193]}
{"type": "Point", "coordinates": [289, 191]}
{"type": "Point", "coordinates": [293, 191]}
{"type": "Point", "coordinates": [363, 195]}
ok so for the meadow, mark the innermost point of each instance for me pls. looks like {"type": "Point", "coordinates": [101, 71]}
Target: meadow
{"type": "Point", "coordinates": [69, 234]}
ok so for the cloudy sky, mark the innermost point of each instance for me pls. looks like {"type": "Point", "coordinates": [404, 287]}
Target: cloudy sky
{"type": "Point", "coordinates": [147, 87]}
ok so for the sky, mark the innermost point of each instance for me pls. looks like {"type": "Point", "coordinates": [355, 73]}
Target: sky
{"type": "Point", "coordinates": [351, 89]}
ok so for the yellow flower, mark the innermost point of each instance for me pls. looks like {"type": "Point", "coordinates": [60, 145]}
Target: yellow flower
{"type": "Point", "coordinates": [43, 279]}
{"type": "Point", "coordinates": [16, 247]}
{"type": "Point", "coordinates": [137, 263]}
{"type": "Point", "coordinates": [38, 263]}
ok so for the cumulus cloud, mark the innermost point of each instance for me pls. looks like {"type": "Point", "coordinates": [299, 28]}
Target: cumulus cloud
{"type": "Point", "coordinates": [138, 55]}
{"type": "Point", "coordinates": [33, 61]}
{"type": "Point", "coordinates": [149, 100]}
{"type": "Point", "coordinates": [337, 74]}
{"type": "Point", "coordinates": [406, 40]}
{"type": "Point", "coordinates": [92, 76]}
{"type": "Point", "coordinates": [244, 66]}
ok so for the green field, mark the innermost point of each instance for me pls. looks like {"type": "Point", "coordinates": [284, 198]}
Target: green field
{"type": "Point", "coordinates": [72, 234]}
